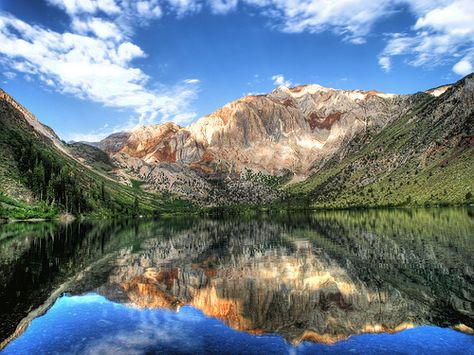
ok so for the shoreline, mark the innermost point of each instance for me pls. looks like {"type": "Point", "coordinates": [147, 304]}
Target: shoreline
{"type": "Point", "coordinates": [234, 210]}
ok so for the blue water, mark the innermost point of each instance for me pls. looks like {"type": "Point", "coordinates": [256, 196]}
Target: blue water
{"type": "Point", "coordinates": [92, 324]}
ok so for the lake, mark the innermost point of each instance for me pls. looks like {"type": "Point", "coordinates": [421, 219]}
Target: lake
{"type": "Point", "coordinates": [377, 281]}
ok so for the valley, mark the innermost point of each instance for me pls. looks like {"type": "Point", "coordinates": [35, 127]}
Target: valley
{"type": "Point", "coordinates": [306, 147]}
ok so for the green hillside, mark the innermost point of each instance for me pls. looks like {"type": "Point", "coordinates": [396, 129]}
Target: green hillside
{"type": "Point", "coordinates": [424, 158]}
{"type": "Point", "coordinates": [39, 181]}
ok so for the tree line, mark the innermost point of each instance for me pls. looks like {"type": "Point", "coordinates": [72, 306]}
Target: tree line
{"type": "Point", "coordinates": [50, 179]}
{"type": "Point", "coordinates": [54, 180]}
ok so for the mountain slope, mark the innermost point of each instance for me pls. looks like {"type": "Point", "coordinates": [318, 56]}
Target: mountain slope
{"type": "Point", "coordinates": [40, 175]}
{"type": "Point", "coordinates": [358, 148]}
{"type": "Point", "coordinates": [426, 157]}
{"type": "Point", "coordinates": [308, 146]}
{"type": "Point", "coordinates": [242, 152]}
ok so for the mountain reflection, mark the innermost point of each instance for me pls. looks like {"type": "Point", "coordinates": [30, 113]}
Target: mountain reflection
{"type": "Point", "coordinates": [319, 277]}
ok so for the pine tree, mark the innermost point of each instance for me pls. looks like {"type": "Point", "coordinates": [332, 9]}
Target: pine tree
{"type": "Point", "coordinates": [51, 190]}
{"type": "Point", "coordinates": [102, 191]}
{"type": "Point", "coordinates": [38, 179]}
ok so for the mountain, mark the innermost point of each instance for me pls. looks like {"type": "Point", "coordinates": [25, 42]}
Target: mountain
{"type": "Point", "coordinates": [41, 176]}
{"type": "Point", "coordinates": [289, 129]}
{"type": "Point", "coordinates": [326, 147]}
{"type": "Point", "coordinates": [423, 157]}
{"type": "Point", "coordinates": [251, 144]}
{"type": "Point", "coordinates": [303, 147]}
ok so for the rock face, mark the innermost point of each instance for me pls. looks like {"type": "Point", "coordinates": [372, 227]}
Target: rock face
{"type": "Point", "coordinates": [296, 128]}
{"type": "Point", "coordinates": [286, 133]}
{"type": "Point", "coordinates": [439, 90]}
{"type": "Point", "coordinates": [192, 184]}
{"type": "Point", "coordinates": [289, 129]}
{"type": "Point", "coordinates": [265, 141]}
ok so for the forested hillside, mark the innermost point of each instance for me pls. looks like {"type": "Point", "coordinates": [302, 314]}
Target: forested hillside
{"type": "Point", "coordinates": [38, 180]}
{"type": "Point", "coordinates": [379, 150]}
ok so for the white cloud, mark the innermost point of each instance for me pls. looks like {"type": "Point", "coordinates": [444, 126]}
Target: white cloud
{"type": "Point", "coordinates": [454, 18]}
{"type": "Point", "coordinates": [97, 26]}
{"type": "Point", "coordinates": [183, 7]}
{"type": "Point", "coordinates": [74, 7]}
{"type": "Point", "coordinates": [279, 80]}
{"type": "Point", "coordinates": [222, 6]}
{"type": "Point", "coordinates": [91, 68]}
{"type": "Point", "coordinates": [443, 32]}
{"type": "Point", "coordinates": [463, 67]}
{"type": "Point", "coordinates": [352, 19]}
{"type": "Point", "coordinates": [191, 81]}
{"type": "Point", "coordinates": [385, 63]}
{"type": "Point", "coordinates": [149, 9]}
{"type": "Point", "coordinates": [9, 75]}
{"type": "Point", "coordinates": [128, 51]}
{"type": "Point", "coordinates": [398, 44]}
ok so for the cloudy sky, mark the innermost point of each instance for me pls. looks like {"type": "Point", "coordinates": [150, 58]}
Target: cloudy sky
{"type": "Point", "coordinates": [88, 68]}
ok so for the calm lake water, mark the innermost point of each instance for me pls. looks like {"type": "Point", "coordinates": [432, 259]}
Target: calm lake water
{"type": "Point", "coordinates": [380, 281]}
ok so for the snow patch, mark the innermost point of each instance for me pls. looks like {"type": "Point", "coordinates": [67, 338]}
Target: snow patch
{"type": "Point", "coordinates": [438, 91]}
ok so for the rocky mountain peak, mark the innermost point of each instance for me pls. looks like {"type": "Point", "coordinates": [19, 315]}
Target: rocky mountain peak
{"type": "Point", "coordinates": [289, 129]}
{"type": "Point", "coordinates": [314, 89]}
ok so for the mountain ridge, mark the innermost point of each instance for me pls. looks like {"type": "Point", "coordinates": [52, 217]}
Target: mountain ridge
{"type": "Point", "coordinates": [436, 91]}
{"type": "Point", "coordinates": [304, 147]}
{"type": "Point", "coordinates": [204, 129]}
{"type": "Point", "coordinates": [42, 177]}
{"type": "Point", "coordinates": [288, 134]}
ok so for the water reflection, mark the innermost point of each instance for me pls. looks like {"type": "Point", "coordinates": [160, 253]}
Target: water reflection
{"type": "Point", "coordinates": [319, 277]}
{"type": "Point", "coordinates": [102, 327]}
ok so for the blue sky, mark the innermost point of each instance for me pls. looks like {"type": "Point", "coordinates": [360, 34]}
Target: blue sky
{"type": "Point", "coordinates": [88, 68]}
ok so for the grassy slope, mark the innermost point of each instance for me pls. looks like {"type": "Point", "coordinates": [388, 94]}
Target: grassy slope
{"type": "Point", "coordinates": [395, 168]}
{"type": "Point", "coordinates": [94, 157]}
{"type": "Point", "coordinates": [18, 202]}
